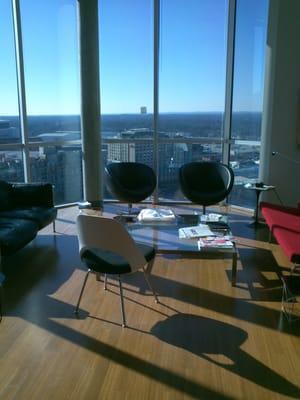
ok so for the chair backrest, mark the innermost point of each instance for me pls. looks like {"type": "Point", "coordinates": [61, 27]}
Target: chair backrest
{"type": "Point", "coordinates": [206, 182]}
{"type": "Point", "coordinates": [130, 181]}
{"type": "Point", "coordinates": [108, 234]}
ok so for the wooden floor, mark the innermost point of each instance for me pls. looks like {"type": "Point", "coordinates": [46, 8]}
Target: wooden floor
{"type": "Point", "coordinates": [205, 340]}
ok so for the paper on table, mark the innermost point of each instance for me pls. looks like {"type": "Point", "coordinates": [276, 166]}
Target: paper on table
{"type": "Point", "coordinates": [189, 232]}
{"type": "Point", "coordinates": [156, 214]}
{"type": "Point", "coordinates": [212, 217]}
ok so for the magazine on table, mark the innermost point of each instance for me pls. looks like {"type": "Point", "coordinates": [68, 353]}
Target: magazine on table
{"type": "Point", "coordinates": [219, 242]}
{"type": "Point", "coordinates": [190, 232]}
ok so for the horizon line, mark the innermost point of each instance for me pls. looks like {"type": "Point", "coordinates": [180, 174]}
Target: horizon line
{"type": "Point", "coordinates": [132, 113]}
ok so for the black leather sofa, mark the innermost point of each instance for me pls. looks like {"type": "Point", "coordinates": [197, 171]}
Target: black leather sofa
{"type": "Point", "coordinates": [25, 208]}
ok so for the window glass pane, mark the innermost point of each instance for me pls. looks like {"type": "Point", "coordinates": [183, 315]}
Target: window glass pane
{"type": "Point", "coordinates": [126, 79]}
{"type": "Point", "coordinates": [126, 59]}
{"type": "Point", "coordinates": [126, 66]}
{"type": "Point", "coordinates": [49, 34]}
{"type": "Point", "coordinates": [11, 165]}
{"type": "Point", "coordinates": [245, 163]}
{"type": "Point", "coordinates": [193, 42]}
{"type": "Point", "coordinates": [61, 166]}
{"type": "Point", "coordinates": [250, 44]}
{"type": "Point", "coordinates": [250, 41]}
{"type": "Point", "coordinates": [193, 66]}
{"type": "Point", "coordinates": [9, 111]}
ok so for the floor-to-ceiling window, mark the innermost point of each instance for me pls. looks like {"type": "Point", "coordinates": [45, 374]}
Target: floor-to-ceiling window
{"type": "Point", "coordinates": [50, 51]}
{"type": "Point", "coordinates": [163, 82]}
{"type": "Point", "coordinates": [126, 80]}
{"type": "Point", "coordinates": [192, 67]}
{"type": "Point", "coordinates": [192, 56]}
{"type": "Point", "coordinates": [247, 102]}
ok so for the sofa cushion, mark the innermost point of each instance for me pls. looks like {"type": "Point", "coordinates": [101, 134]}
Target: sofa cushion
{"type": "Point", "coordinates": [6, 196]}
{"type": "Point", "coordinates": [27, 195]}
{"type": "Point", "coordinates": [281, 218]}
{"type": "Point", "coordinates": [284, 222]}
{"type": "Point", "coordinates": [16, 233]}
{"type": "Point", "coordinates": [40, 215]}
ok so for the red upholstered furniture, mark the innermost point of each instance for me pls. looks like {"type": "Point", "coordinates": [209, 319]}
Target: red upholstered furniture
{"type": "Point", "coordinates": [284, 224]}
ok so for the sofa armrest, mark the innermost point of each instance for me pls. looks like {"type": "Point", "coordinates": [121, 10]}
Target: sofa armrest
{"type": "Point", "coordinates": [33, 194]}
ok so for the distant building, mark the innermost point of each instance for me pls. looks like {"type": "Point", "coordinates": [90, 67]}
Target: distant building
{"type": "Point", "coordinates": [58, 136]}
{"type": "Point", "coordinates": [143, 110]}
{"type": "Point", "coordinates": [132, 152]}
{"type": "Point", "coordinates": [59, 164]}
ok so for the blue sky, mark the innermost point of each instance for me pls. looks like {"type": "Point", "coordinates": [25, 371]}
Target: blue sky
{"type": "Point", "coordinates": [192, 56]}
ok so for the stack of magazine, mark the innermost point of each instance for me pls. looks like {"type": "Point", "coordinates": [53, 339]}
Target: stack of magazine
{"type": "Point", "coordinates": [215, 242]}
{"type": "Point", "coordinates": [207, 239]}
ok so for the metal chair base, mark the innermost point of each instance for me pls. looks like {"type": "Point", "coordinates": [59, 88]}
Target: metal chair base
{"type": "Point", "coordinates": [290, 305]}
{"type": "Point", "coordinates": [121, 292]}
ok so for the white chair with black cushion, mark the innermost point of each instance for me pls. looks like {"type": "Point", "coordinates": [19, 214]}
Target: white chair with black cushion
{"type": "Point", "coordinates": [105, 246]}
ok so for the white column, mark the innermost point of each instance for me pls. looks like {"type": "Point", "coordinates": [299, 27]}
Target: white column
{"type": "Point", "coordinates": [90, 100]}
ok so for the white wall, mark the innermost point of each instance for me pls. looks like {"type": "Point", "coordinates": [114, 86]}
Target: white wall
{"type": "Point", "coordinates": [281, 112]}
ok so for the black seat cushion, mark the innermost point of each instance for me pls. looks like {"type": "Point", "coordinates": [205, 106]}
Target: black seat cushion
{"type": "Point", "coordinates": [110, 263]}
{"type": "Point", "coordinates": [41, 215]}
{"type": "Point", "coordinates": [15, 234]}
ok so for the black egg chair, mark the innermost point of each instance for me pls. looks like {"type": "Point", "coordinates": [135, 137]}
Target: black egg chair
{"type": "Point", "coordinates": [130, 182]}
{"type": "Point", "coordinates": [206, 182]}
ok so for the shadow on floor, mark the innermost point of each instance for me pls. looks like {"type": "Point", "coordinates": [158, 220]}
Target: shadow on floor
{"type": "Point", "coordinates": [206, 337]}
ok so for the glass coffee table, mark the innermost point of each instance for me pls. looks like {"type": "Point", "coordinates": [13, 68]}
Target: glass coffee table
{"type": "Point", "coordinates": [165, 238]}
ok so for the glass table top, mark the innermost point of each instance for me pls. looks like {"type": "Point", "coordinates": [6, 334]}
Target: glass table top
{"type": "Point", "coordinates": [164, 235]}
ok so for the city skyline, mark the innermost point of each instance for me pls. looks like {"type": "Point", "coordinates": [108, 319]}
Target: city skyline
{"type": "Point", "coordinates": [245, 125]}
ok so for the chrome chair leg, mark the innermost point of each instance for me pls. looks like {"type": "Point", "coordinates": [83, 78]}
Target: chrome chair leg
{"type": "Point", "coordinates": [270, 236]}
{"type": "Point", "coordinates": [288, 302]}
{"type": "Point", "coordinates": [150, 286]}
{"type": "Point", "coordinates": [1, 299]}
{"type": "Point", "coordinates": [81, 292]}
{"type": "Point", "coordinates": [2, 278]}
{"type": "Point", "coordinates": [53, 223]}
{"type": "Point", "coordinates": [122, 303]}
